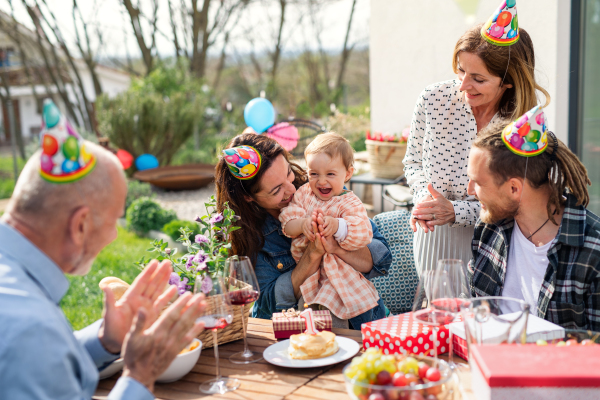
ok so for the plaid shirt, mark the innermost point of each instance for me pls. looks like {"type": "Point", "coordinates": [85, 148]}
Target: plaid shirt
{"type": "Point", "coordinates": [570, 292]}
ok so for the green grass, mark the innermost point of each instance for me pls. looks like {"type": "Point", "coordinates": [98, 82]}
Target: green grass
{"type": "Point", "coordinates": [83, 302]}
{"type": "Point", "coordinates": [7, 177]}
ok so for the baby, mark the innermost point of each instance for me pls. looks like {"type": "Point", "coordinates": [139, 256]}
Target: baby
{"type": "Point", "coordinates": [337, 286]}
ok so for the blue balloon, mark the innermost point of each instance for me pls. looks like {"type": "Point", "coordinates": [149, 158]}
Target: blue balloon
{"type": "Point", "coordinates": [69, 166]}
{"type": "Point", "coordinates": [146, 161]}
{"type": "Point", "coordinates": [259, 114]}
{"type": "Point", "coordinates": [242, 162]}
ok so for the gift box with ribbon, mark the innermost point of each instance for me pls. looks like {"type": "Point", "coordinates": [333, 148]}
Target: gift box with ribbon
{"type": "Point", "coordinates": [402, 334]}
{"type": "Point", "coordinates": [289, 322]}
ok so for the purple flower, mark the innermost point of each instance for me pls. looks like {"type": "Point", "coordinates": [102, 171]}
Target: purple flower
{"type": "Point", "coordinates": [236, 217]}
{"type": "Point", "coordinates": [189, 263]}
{"type": "Point", "coordinates": [201, 239]}
{"type": "Point", "coordinates": [206, 284]}
{"type": "Point", "coordinates": [197, 219]}
{"type": "Point", "coordinates": [168, 251]}
{"type": "Point", "coordinates": [201, 267]}
{"type": "Point", "coordinates": [217, 218]}
{"type": "Point", "coordinates": [182, 286]}
{"type": "Point", "coordinates": [200, 257]}
{"type": "Point", "coordinates": [174, 279]}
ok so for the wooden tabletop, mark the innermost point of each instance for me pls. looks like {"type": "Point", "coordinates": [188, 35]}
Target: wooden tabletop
{"type": "Point", "coordinates": [259, 381]}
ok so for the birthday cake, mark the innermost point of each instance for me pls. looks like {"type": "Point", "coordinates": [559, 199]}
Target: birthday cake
{"type": "Point", "coordinates": [306, 346]}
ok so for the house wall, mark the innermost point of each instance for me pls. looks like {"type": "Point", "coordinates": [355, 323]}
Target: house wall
{"type": "Point", "coordinates": [411, 45]}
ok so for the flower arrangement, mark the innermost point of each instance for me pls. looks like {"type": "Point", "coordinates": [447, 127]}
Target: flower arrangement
{"type": "Point", "coordinates": [206, 255]}
{"type": "Point", "coordinates": [389, 137]}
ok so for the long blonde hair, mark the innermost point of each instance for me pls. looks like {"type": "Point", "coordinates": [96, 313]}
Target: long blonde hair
{"type": "Point", "coordinates": [520, 60]}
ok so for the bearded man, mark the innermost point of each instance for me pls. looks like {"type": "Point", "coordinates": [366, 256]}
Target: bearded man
{"type": "Point", "coordinates": [534, 240]}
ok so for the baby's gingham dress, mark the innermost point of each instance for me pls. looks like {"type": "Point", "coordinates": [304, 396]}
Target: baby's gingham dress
{"type": "Point", "coordinates": [337, 286]}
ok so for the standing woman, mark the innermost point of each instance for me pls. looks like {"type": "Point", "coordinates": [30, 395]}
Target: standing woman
{"type": "Point", "coordinates": [495, 65]}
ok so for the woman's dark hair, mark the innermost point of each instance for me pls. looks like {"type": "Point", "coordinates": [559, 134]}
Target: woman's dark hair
{"type": "Point", "coordinates": [516, 61]}
{"type": "Point", "coordinates": [249, 240]}
{"type": "Point", "coordinates": [556, 167]}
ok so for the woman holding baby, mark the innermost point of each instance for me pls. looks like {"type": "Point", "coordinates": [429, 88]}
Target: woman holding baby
{"type": "Point", "coordinates": [326, 249]}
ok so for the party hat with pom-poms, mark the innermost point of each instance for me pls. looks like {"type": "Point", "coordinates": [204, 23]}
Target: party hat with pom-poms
{"type": "Point", "coordinates": [64, 156]}
{"type": "Point", "coordinates": [502, 29]}
{"type": "Point", "coordinates": [528, 135]}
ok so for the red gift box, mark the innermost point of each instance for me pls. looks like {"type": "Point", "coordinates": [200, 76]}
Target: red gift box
{"type": "Point", "coordinates": [525, 372]}
{"type": "Point", "coordinates": [288, 323]}
{"type": "Point", "coordinates": [402, 334]}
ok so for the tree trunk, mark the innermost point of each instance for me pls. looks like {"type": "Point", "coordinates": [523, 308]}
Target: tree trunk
{"type": "Point", "coordinates": [199, 27]}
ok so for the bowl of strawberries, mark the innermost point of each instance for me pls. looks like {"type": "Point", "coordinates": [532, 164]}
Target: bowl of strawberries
{"type": "Point", "coordinates": [376, 376]}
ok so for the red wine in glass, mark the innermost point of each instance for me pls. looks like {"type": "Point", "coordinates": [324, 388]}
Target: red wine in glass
{"type": "Point", "coordinates": [215, 321]}
{"type": "Point", "coordinates": [241, 297]}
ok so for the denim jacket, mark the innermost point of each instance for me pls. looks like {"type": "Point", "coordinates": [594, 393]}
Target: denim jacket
{"type": "Point", "coordinates": [275, 263]}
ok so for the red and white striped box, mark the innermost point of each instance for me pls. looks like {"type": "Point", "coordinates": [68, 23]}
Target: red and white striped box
{"type": "Point", "coordinates": [402, 334]}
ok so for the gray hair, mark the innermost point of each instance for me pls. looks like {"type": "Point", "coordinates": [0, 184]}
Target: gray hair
{"type": "Point", "coordinates": [35, 197]}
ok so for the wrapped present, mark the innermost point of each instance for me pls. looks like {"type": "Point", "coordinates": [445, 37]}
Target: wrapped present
{"type": "Point", "coordinates": [289, 322]}
{"type": "Point", "coordinates": [537, 329]}
{"type": "Point", "coordinates": [402, 334]}
{"type": "Point", "coordinates": [526, 372]}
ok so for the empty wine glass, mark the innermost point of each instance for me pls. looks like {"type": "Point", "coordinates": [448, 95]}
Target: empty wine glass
{"type": "Point", "coordinates": [423, 312]}
{"type": "Point", "coordinates": [243, 289]}
{"type": "Point", "coordinates": [217, 315]}
{"type": "Point", "coordinates": [450, 292]}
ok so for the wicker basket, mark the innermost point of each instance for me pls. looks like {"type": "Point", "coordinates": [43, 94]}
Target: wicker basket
{"type": "Point", "coordinates": [385, 158]}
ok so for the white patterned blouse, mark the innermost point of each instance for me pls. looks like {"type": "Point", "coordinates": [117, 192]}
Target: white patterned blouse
{"type": "Point", "coordinates": [442, 131]}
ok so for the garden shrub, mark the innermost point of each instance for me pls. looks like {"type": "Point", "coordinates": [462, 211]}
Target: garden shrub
{"type": "Point", "coordinates": [172, 228]}
{"type": "Point", "coordinates": [144, 215]}
{"type": "Point", "coordinates": [136, 190]}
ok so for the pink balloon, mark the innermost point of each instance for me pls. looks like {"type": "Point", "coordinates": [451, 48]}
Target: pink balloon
{"type": "Point", "coordinates": [232, 159]}
{"type": "Point", "coordinates": [539, 119]}
{"type": "Point", "coordinates": [496, 31]}
{"type": "Point", "coordinates": [285, 134]}
{"type": "Point", "coordinates": [46, 163]}
{"type": "Point", "coordinates": [521, 121]}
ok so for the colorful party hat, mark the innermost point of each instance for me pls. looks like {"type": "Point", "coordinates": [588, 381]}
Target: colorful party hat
{"type": "Point", "coordinates": [243, 161]}
{"type": "Point", "coordinates": [64, 156]}
{"type": "Point", "coordinates": [502, 29]}
{"type": "Point", "coordinates": [528, 135]}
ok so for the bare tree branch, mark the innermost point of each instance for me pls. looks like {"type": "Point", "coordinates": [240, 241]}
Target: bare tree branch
{"type": "Point", "coordinates": [134, 16]}
{"type": "Point", "coordinates": [346, 50]}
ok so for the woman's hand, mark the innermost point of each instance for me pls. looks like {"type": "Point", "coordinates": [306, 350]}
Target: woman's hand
{"type": "Point", "coordinates": [435, 211]}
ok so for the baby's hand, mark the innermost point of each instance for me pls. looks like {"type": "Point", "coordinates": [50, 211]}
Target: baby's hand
{"type": "Point", "coordinates": [307, 229]}
{"type": "Point", "coordinates": [330, 226]}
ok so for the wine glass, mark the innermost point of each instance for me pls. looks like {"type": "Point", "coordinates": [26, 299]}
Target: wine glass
{"type": "Point", "coordinates": [217, 315]}
{"type": "Point", "coordinates": [243, 289]}
{"type": "Point", "coordinates": [450, 292]}
{"type": "Point", "coordinates": [423, 312]}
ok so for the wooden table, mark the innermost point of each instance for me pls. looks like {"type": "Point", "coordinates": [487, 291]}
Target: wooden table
{"type": "Point", "coordinates": [259, 381]}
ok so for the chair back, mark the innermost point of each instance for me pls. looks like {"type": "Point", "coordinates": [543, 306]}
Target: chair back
{"type": "Point", "coordinates": [397, 288]}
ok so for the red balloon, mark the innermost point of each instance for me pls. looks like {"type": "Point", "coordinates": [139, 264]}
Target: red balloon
{"type": "Point", "coordinates": [125, 157]}
{"type": "Point", "coordinates": [49, 145]}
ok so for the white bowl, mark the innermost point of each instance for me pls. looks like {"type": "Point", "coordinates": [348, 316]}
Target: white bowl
{"type": "Point", "coordinates": [112, 369]}
{"type": "Point", "coordinates": [181, 365]}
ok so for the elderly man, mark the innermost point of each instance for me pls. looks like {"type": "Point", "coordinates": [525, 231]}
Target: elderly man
{"type": "Point", "coordinates": [535, 240]}
{"type": "Point", "coordinates": [52, 229]}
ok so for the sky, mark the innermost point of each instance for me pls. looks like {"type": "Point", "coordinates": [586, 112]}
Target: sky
{"type": "Point", "coordinates": [259, 22]}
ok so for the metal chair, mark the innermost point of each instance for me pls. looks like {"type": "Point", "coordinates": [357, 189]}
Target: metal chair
{"type": "Point", "coordinates": [307, 131]}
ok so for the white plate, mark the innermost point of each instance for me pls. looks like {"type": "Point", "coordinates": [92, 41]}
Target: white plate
{"type": "Point", "coordinates": [278, 354]}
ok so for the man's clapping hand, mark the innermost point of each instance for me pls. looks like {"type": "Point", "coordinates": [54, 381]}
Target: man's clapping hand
{"type": "Point", "coordinates": [148, 352]}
